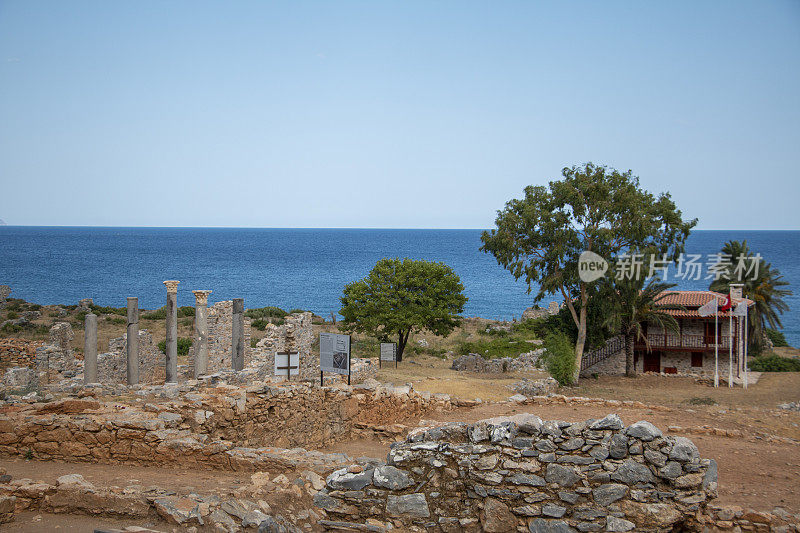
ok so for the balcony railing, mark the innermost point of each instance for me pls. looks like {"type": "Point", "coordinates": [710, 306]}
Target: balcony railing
{"type": "Point", "coordinates": [673, 340]}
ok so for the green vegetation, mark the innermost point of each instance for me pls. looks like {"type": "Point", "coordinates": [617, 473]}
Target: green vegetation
{"type": "Point", "coordinates": [98, 310]}
{"type": "Point", "coordinates": [161, 313]}
{"type": "Point", "coordinates": [12, 315]}
{"type": "Point", "coordinates": [593, 208]}
{"type": "Point", "coordinates": [399, 297]}
{"type": "Point", "coordinates": [704, 400]}
{"type": "Point", "coordinates": [499, 346]}
{"type": "Point", "coordinates": [183, 346]}
{"type": "Point", "coordinates": [115, 320]}
{"type": "Point", "coordinates": [774, 363]}
{"type": "Point", "coordinates": [266, 312]}
{"type": "Point", "coordinates": [559, 359]}
{"type": "Point", "coordinates": [293, 311]}
{"type": "Point", "coordinates": [777, 337]}
{"type": "Point", "coordinates": [763, 284]}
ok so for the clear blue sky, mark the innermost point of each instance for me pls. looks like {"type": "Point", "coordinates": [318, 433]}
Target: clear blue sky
{"type": "Point", "coordinates": [390, 114]}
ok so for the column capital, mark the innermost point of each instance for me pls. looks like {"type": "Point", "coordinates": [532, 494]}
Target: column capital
{"type": "Point", "coordinates": [201, 296]}
{"type": "Point", "coordinates": [172, 285]}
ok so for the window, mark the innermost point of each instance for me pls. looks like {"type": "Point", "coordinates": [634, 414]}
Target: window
{"type": "Point", "coordinates": [697, 359]}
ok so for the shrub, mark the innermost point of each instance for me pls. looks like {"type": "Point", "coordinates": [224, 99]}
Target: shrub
{"type": "Point", "coordinates": [12, 315]}
{"type": "Point", "coordinates": [266, 312]}
{"type": "Point", "coordinates": [99, 310]}
{"type": "Point", "coordinates": [777, 337]}
{"type": "Point", "coordinates": [156, 314]}
{"type": "Point", "coordinates": [161, 313]}
{"type": "Point", "coordinates": [704, 400]}
{"type": "Point", "coordinates": [560, 357]}
{"type": "Point", "coordinates": [293, 311]}
{"type": "Point", "coordinates": [118, 320]}
{"type": "Point", "coordinates": [10, 328]}
{"type": "Point", "coordinates": [497, 346]}
{"type": "Point", "coordinates": [183, 346]}
{"type": "Point", "coordinates": [774, 363]}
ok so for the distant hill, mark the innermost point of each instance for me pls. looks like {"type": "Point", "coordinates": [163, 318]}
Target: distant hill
{"type": "Point", "coordinates": [2, 222]}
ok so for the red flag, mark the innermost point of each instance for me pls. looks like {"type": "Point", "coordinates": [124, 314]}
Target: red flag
{"type": "Point", "coordinates": [728, 304]}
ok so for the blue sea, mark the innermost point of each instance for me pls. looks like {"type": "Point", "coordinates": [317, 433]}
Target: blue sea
{"type": "Point", "coordinates": [293, 268]}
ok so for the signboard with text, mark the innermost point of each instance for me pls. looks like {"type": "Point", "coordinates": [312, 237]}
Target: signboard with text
{"type": "Point", "coordinates": [334, 353]}
{"type": "Point", "coordinates": [388, 353]}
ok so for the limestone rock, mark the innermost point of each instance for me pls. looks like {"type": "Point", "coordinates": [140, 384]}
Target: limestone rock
{"type": "Point", "coordinates": [497, 518]}
{"type": "Point", "coordinates": [643, 430]}
{"type": "Point", "coordinates": [392, 478]}
{"type": "Point", "coordinates": [413, 505]}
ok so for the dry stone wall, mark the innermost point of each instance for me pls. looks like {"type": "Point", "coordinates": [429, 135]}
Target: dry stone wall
{"type": "Point", "coordinates": [18, 352]}
{"type": "Point", "coordinates": [515, 472]}
{"type": "Point", "coordinates": [220, 427]}
{"type": "Point", "coordinates": [220, 328]}
{"type": "Point", "coordinates": [112, 366]}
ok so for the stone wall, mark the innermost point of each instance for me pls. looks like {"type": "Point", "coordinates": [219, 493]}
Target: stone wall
{"type": "Point", "coordinates": [476, 363]}
{"type": "Point", "coordinates": [220, 427]}
{"type": "Point", "coordinates": [5, 292]}
{"type": "Point", "coordinates": [112, 367]}
{"type": "Point", "coordinates": [515, 472]}
{"type": "Point", "coordinates": [220, 328]}
{"type": "Point", "coordinates": [294, 335]}
{"type": "Point", "coordinates": [18, 352]}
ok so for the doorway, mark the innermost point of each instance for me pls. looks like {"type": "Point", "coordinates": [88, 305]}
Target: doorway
{"type": "Point", "coordinates": [652, 362]}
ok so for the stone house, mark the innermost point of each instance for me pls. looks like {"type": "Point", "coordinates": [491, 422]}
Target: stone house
{"type": "Point", "coordinates": [690, 350]}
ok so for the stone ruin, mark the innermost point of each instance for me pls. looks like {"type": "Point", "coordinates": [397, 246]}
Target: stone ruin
{"type": "Point", "coordinates": [56, 360]}
{"type": "Point", "coordinates": [5, 292]}
{"type": "Point", "coordinates": [525, 362]}
{"type": "Point", "coordinates": [112, 365]}
{"type": "Point", "coordinates": [220, 330]}
{"type": "Point", "coordinates": [294, 335]}
{"type": "Point", "coordinates": [85, 304]}
{"type": "Point", "coordinates": [532, 313]}
{"type": "Point", "coordinates": [512, 473]}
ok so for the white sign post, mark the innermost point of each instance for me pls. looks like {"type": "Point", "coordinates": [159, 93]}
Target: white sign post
{"type": "Point", "coordinates": [388, 353]}
{"type": "Point", "coordinates": [287, 364]}
{"type": "Point", "coordinates": [334, 355]}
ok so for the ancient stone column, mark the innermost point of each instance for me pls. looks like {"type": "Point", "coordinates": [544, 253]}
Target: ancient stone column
{"type": "Point", "coordinates": [90, 349]}
{"type": "Point", "coordinates": [172, 331]}
{"type": "Point", "coordinates": [237, 335]}
{"type": "Point", "coordinates": [201, 333]}
{"type": "Point", "coordinates": [132, 341]}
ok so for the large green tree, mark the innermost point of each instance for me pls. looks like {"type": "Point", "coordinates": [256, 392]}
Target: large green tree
{"type": "Point", "coordinates": [399, 297]}
{"type": "Point", "coordinates": [632, 304]}
{"type": "Point", "coordinates": [595, 208]}
{"type": "Point", "coordinates": [763, 284]}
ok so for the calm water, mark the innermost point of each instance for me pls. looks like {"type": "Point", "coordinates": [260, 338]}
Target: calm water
{"type": "Point", "coordinates": [290, 268]}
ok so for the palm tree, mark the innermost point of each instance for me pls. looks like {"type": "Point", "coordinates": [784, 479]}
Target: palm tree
{"type": "Point", "coordinates": [634, 305]}
{"type": "Point", "coordinates": [763, 285]}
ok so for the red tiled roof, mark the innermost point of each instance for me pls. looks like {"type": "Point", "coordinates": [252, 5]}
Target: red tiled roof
{"type": "Point", "coordinates": [692, 300]}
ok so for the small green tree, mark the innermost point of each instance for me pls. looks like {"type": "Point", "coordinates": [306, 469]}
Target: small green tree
{"type": "Point", "coordinates": [593, 208]}
{"type": "Point", "coordinates": [560, 358]}
{"type": "Point", "coordinates": [399, 297]}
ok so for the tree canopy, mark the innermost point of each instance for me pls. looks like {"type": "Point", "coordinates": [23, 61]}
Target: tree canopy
{"type": "Point", "coordinates": [592, 208]}
{"type": "Point", "coordinates": [399, 297]}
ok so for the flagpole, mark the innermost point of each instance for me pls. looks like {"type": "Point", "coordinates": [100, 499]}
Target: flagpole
{"type": "Point", "coordinates": [745, 348]}
{"type": "Point", "coordinates": [730, 350]}
{"type": "Point", "coordinates": [716, 348]}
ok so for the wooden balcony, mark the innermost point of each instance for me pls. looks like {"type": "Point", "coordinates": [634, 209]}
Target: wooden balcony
{"type": "Point", "coordinates": [674, 341]}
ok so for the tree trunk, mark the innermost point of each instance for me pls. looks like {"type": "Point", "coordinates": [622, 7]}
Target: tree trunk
{"type": "Point", "coordinates": [630, 368]}
{"type": "Point", "coordinates": [402, 340]}
{"type": "Point", "coordinates": [581, 342]}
